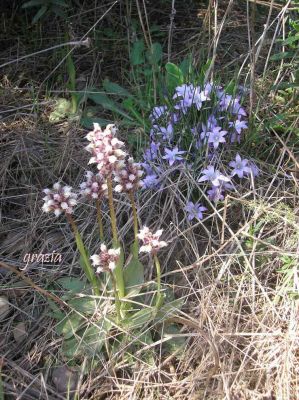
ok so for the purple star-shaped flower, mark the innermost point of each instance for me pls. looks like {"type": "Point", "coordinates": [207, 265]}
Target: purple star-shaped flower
{"type": "Point", "coordinates": [240, 167]}
{"type": "Point", "coordinates": [194, 210]}
{"type": "Point", "coordinates": [157, 112]}
{"type": "Point", "coordinates": [151, 153]}
{"type": "Point", "coordinates": [167, 133]}
{"type": "Point", "coordinates": [215, 194]}
{"type": "Point", "coordinates": [199, 97]}
{"type": "Point", "coordinates": [173, 155]}
{"type": "Point", "coordinates": [238, 125]}
{"type": "Point", "coordinates": [216, 136]}
{"type": "Point", "coordinates": [213, 175]}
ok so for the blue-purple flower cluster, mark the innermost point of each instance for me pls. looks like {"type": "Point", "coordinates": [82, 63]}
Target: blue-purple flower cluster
{"type": "Point", "coordinates": [194, 129]}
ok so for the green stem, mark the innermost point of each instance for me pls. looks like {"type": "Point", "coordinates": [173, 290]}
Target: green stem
{"type": "Point", "coordinates": [135, 219]}
{"type": "Point", "coordinates": [112, 211]}
{"type": "Point", "coordinates": [100, 221]}
{"type": "Point", "coordinates": [159, 299]}
{"type": "Point", "coordinates": [88, 270]}
{"type": "Point", "coordinates": [117, 301]}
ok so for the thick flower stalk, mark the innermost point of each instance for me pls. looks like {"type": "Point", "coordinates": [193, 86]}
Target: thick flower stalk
{"type": "Point", "coordinates": [95, 187]}
{"type": "Point", "coordinates": [107, 261]}
{"type": "Point", "coordinates": [59, 200]}
{"type": "Point", "coordinates": [151, 244]}
{"type": "Point", "coordinates": [128, 181]}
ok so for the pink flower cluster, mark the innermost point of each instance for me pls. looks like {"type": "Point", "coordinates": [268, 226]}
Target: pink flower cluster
{"type": "Point", "coordinates": [106, 260]}
{"type": "Point", "coordinates": [59, 199]}
{"type": "Point", "coordinates": [105, 148]}
{"type": "Point", "coordinates": [94, 187]}
{"type": "Point", "coordinates": [128, 178]}
{"type": "Point", "coordinates": [151, 241]}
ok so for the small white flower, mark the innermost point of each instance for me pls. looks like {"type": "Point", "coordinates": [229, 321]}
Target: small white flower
{"type": "Point", "coordinates": [151, 241]}
{"type": "Point", "coordinates": [106, 260]}
{"type": "Point", "coordinates": [59, 199]}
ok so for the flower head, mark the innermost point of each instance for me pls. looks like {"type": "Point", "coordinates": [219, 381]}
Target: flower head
{"type": "Point", "coordinates": [173, 155]}
{"type": "Point", "coordinates": [216, 136]}
{"type": "Point", "coordinates": [240, 167]}
{"type": "Point", "coordinates": [94, 187]}
{"type": "Point", "coordinates": [194, 210]}
{"type": "Point", "coordinates": [105, 148]}
{"type": "Point", "coordinates": [106, 260]}
{"type": "Point", "coordinates": [150, 181]}
{"type": "Point", "coordinates": [128, 178]}
{"type": "Point", "coordinates": [213, 175]}
{"type": "Point", "coordinates": [59, 199]}
{"type": "Point", "coordinates": [151, 241]}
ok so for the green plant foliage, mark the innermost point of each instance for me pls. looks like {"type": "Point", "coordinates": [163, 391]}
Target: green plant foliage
{"type": "Point", "coordinates": [46, 8]}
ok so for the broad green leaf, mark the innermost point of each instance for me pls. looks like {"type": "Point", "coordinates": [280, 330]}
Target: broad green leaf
{"type": "Point", "coordinates": [33, 3]}
{"type": "Point", "coordinates": [134, 276]}
{"type": "Point", "coordinates": [139, 318]}
{"type": "Point", "coordinates": [69, 325]}
{"type": "Point", "coordinates": [107, 103]}
{"type": "Point", "coordinates": [87, 122]}
{"type": "Point", "coordinates": [154, 55]}
{"type": "Point", "coordinates": [114, 88]}
{"type": "Point", "coordinates": [186, 67]}
{"type": "Point", "coordinates": [84, 305]}
{"type": "Point", "coordinates": [94, 337]}
{"type": "Point", "coordinates": [129, 104]}
{"type": "Point", "coordinates": [39, 14]}
{"type": "Point", "coordinates": [174, 76]}
{"type": "Point", "coordinates": [168, 310]}
{"type": "Point", "coordinates": [282, 56]}
{"type": "Point", "coordinates": [175, 343]}
{"type": "Point", "coordinates": [137, 53]}
{"type": "Point", "coordinates": [73, 284]}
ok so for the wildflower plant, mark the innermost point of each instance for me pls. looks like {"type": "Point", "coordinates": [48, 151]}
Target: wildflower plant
{"type": "Point", "coordinates": [106, 271]}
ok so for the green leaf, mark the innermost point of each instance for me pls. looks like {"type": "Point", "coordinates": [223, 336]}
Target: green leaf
{"type": "Point", "coordinates": [84, 305]}
{"type": "Point", "coordinates": [114, 88]}
{"type": "Point", "coordinates": [186, 67]}
{"type": "Point", "coordinates": [33, 3]}
{"type": "Point", "coordinates": [87, 341]}
{"type": "Point", "coordinates": [174, 76]}
{"type": "Point", "coordinates": [39, 14]}
{"type": "Point", "coordinates": [168, 310]}
{"type": "Point", "coordinates": [107, 103]}
{"type": "Point", "coordinates": [282, 56]}
{"type": "Point", "coordinates": [87, 122]}
{"type": "Point", "coordinates": [154, 55]}
{"type": "Point", "coordinates": [129, 105]}
{"type": "Point", "coordinates": [73, 284]}
{"type": "Point", "coordinates": [137, 53]}
{"type": "Point", "coordinates": [139, 318]}
{"type": "Point", "coordinates": [134, 276]}
{"type": "Point", "coordinates": [175, 343]}
{"type": "Point", "coordinates": [69, 325]}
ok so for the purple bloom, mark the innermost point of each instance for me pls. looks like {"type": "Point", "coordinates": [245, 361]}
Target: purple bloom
{"type": "Point", "coordinates": [185, 91]}
{"type": "Point", "coordinates": [253, 169]}
{"type": "Point", "coordinates": [217, 136]}
{"type": "Point", "coordinates": [173, 155]}
{"type": "Point", "coordinates": [240, 167]}
{"type": "Point", "coordinates": [199, 97]}
{"type": "Point", "coordinates": [150, 181]}
{"type": "Point", "coordinates": [157, 112]}
{"type": "Point", "coordinates": [194, 210]}
{"type": "Point", "coordinates": [215, 194]}
{"type": "Point", "coordinates": [151, 153]}
{"type": "Point", "coordinates": [238, 125]}
{"type": "Point", "coordinates": [213, 175]}
{"type": "Point", "coordinates": [167, 133]}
